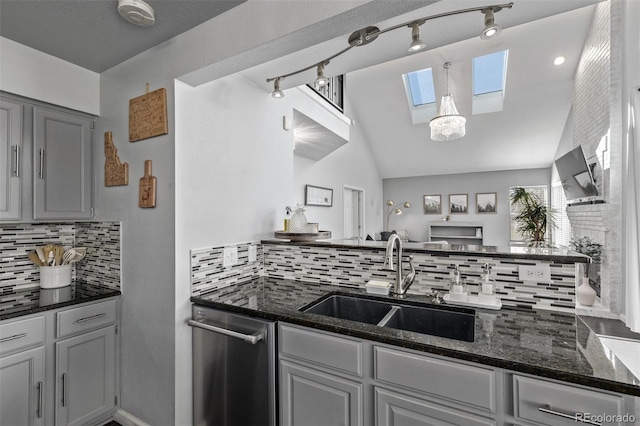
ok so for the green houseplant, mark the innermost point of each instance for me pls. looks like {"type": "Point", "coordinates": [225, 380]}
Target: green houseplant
{"type": "Point", "coordinates": [533, 217]}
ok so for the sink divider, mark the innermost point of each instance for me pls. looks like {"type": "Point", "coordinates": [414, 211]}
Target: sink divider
{"type": "Point", "coordinates": [389, 315]}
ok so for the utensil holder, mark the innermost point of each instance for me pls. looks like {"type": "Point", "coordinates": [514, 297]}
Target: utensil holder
{"type": "Point", "coordinates": [55, 276]}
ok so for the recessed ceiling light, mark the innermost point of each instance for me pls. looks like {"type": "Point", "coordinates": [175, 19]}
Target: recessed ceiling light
{"type": "Point", "coordinates": [559, 60]}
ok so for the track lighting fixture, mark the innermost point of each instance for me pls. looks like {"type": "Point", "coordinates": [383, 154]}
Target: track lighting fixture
{"type": "Point", "coordinates": [321, 80]}
{"type": "Point", "coordinates": [367, 35]}
{"type": "Point", "coordinates": [277, 93]}
{"type": "Point", "coordinates": [416, 44]}
{"type": "Point", "coordinates": [491, 29]}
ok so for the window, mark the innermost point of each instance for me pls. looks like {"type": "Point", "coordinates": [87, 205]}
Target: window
{"type": "Point", "coordinates": [489, 79]}
{"type": "Point", "coordinates": [561, 234]}
{"type": "Point", "coordinates": [541, 192]}
{"type": "Point", "coordinates": [421, 95]}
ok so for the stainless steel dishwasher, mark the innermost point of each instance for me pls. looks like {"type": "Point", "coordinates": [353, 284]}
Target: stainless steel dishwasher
{"type": "Point", "coordinates": [234, 381]}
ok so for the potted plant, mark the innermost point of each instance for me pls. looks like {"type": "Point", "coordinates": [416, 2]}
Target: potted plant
{"type": "Point", "coordinates": [533, 218]}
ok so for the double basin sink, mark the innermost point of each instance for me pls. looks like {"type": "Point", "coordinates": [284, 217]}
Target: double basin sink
{"type": "Point", "coordinates": [435, 320]}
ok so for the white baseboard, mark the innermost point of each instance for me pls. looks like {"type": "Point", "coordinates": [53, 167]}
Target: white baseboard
{"type": "Point", "coordinates": [127, 419]}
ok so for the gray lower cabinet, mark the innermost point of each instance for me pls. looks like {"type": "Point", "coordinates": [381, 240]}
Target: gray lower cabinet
{"type": "Point", "coordinates": [330, 379]}
{"type": "Point", "coordinates": [397, 409]}
{"type": "Point", "coordinates": [21, 388]}
{"type": "Point", "coordinates": [10, 161]}
{"type": "Point", "coordinates": [311, 397]}
{"type": "Point", "coordinates": [85, 375]}
{"type": "Point", "coordinates": [46, 161]}
{"type": "Point", "coordinates": [60, 367]}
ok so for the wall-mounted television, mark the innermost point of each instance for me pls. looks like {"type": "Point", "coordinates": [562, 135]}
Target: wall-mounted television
{"type": "Point", "coordinates": [576, 175]}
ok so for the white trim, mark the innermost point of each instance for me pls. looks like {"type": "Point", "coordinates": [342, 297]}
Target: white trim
{"type": "Point", "coordinates": [315, 97]}
{"type": "Point", "coordinates": [128, 419]}
{"type": "Point", "coordinates": [361, 216]}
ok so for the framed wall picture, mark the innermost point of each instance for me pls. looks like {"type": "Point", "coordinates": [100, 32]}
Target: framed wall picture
{"type": "Point", "coordinates": [486, 202]}
{"type": "Point", "coordinates": [458, 203]}
{"type": "Point", "coordinates": [318, 196]}
{"type": "Point", "coordinates": [433, 204]}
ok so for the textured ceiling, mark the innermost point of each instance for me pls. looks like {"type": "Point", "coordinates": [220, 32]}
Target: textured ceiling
{"type": "Point", "coordinates": [91, 33]}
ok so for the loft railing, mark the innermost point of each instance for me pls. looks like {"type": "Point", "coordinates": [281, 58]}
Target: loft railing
{"type": "Point", "coordinates": [333, 92]}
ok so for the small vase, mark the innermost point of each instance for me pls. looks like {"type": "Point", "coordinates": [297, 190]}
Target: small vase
{"type": "Point", "coordinates": [585, 294]}
{"type": "Point", "coordinates": [298, 221]}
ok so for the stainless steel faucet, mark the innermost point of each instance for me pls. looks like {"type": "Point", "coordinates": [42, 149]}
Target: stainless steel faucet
{"type": "Point", "coordinates": [402, 284]}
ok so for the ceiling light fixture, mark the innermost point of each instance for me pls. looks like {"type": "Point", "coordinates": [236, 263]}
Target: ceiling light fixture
{"type": "Point", "coordinates": [137, 12]}
{"type": "Point", "coordinates": [321, 80]}
{"type": "Point", "coordinates": [491, 29]}
{"type": "Point", "coordinates": [416, 44]}
{"type": "Point", "coordinates": [277, 93]}
{"type": "Point", "coordinates": [448, 125]}
{"type": "Point", "coordinates": [559, 60]}
{"type": "Point", "coordinates": [366, 35]}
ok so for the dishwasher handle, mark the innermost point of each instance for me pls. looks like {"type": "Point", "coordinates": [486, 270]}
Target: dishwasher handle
{"type": "Point", "coordinates": [249, 338]}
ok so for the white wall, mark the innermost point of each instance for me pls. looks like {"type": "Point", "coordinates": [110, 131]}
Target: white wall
{"type": "Point", "coordinates": [31, 73]}
{"type": "Point", "coordinates": [353, 165]}
{"type": "Point", "coordinates": [496, 226]}
{"type": "Point", "coordinates": [156, 342]}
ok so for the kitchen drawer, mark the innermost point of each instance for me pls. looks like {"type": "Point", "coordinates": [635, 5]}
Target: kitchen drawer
{"type": "Point", "coordinates": [558, 401]}
{"type": "Point", "coordinates": [21, 334]}
{"type": "Point", "coordinates": [324, 349]}
{"type": "Point", "coordinates": [86, 318]}
{"type": "Point", "coordinates": [461, 383]}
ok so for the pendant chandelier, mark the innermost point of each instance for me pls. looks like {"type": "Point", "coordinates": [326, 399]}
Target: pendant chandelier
{"type": "Point", "coordinates": [448, 125]}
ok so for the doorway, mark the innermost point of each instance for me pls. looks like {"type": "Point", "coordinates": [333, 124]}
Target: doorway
{"type": "Point", "coordinates": [353, 205]}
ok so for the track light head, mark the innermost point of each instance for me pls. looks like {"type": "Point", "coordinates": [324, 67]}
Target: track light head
{"type": "Point", "coordinates": [416, 44]}
{"type": "Point", "coordinates": [321, 80]}
{"type": "Point", "coordinates": [277, 93]}
{"type": "Point", "coordinates": [491, 29]}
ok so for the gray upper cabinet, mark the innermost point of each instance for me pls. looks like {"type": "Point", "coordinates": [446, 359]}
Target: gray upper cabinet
{"type": "Point", "coordinates": [10, 166]}
{"type": "Point", "coordinates": [62, 159]}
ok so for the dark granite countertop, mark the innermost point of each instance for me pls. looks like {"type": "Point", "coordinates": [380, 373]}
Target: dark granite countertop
{"type": "Point", "coordinates": [16, 303]}
{"type": "Point", "coordinates": [516, 252]}
{"type": "Point", "coordinates": [543, 343]}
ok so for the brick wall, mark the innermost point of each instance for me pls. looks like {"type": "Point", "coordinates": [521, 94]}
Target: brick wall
{"type": "Point", "coordinates": [597, 120]}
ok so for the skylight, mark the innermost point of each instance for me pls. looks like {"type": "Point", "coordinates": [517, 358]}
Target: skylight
{"type": "Point", "coordinates": [489, 78]}
{"type": "Point", "coordinates": [421, 95]}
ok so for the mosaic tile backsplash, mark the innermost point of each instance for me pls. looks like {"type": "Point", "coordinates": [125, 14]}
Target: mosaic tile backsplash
{"type": "Point", "coordinates": [207, 272]}
{"type": "Point", "coordinates": [353, 268]}
{"type": "Point", "coordinates": [17, 272]}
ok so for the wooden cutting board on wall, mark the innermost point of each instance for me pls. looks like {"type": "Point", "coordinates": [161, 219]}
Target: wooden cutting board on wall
{"type": "Point", "coordinates": [148, 115]}
{"type": "Point", "coordinates": [147, 195]}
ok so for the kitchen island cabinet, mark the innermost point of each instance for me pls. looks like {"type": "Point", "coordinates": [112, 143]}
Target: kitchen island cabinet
{"type": "Point", "coordinates": [48, 167]}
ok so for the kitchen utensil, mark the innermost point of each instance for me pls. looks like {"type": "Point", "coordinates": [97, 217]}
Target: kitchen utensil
{"type": "Point", "coordinates": [68, 256]}
{"type": "Point", "coordinates": [35, 258]}
{"type": "Point", "coordinates": [81, 252]}
{"type": "Point", "coordinates": [40, 253]}
{"type": "Point", "coordinates": [48, 254]}
{"type": "Point", "coordinates": [73, 255]}
{"type": "Point", "coordinates": [58, 252]}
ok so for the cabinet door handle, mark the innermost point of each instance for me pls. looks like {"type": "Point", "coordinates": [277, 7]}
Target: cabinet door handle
{"type": "Point", "coordinates": [39, 400]}
{"type": "Point", "coordinates": [14, 337]}
{"type": "Point", "coordinates": [64, 389]}
{"type": "Point", "coordinates": [548, 410]}
{"type": "Point", "coordinates": [41, 171]}
{"type": "Point", "coordinates": [92, 317]}
{"type": "Point", "coordinates": [16, 156]}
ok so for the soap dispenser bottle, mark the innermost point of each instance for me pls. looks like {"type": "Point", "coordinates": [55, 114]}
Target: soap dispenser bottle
{"type": "Point", "coordinates": [487, 293]}
{"type": "Point", "coordinates": [457, 290]}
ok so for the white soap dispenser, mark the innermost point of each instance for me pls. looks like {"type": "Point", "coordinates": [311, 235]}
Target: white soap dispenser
{"type": "Point", "coordinates": [457, 290]}
{"type": "Point", "coordinates": [487, 293]}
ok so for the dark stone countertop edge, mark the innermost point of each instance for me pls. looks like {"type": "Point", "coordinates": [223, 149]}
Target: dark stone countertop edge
{"type": "Point", "coordinates": [39, 309]}
{"type": "Point", "coordinates": [345, 329]}
{"type": "Point", "coordinates": [557, 258]}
